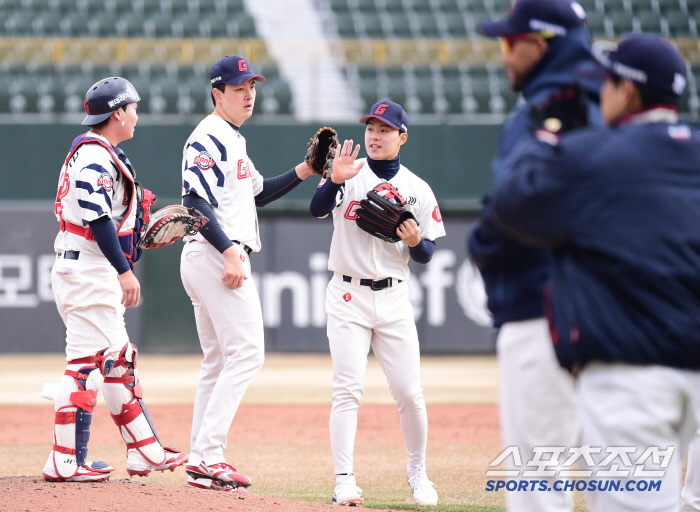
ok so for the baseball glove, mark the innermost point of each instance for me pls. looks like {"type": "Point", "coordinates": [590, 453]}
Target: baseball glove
{"type": "Point", "coordinates": [170, 224]}
{"type": "Point", "coordinates": [383, 212]}
{"type": "Point", "coordinates": [321, 151]}
{"type": "Point", "coordinates": [563, 111]}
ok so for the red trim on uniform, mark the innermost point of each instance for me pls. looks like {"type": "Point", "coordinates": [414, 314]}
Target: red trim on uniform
{"type": "Point", "coordinates": [77, 230]}
{"type": "Point", "coordinates": [119, 380]}
{"type": "Point", "coordinates": [83, 360]}
{"type": "Point", "coordinates": [64, 418]}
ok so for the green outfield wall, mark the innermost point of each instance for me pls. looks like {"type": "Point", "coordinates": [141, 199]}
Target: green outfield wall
{"type": "Point", "coordinates": [454, 160]}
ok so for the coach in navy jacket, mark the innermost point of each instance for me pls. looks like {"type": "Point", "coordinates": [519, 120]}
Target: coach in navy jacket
{"type": "Point", "coordinates": [515, 275]}
{"type": "Point", "coordinates": [620, 209]}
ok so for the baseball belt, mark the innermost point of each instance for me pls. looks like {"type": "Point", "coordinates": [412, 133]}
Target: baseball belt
{"type": "Point", "coordinates": [375, 285]}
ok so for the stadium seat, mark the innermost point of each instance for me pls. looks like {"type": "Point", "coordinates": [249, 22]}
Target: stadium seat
{"type": "Point", "coordinates": [678, 24]}
{"type": "Point", "coordinates": [428, 25]}
{"type": "Point", "coordinates": [394, 5]}
{"type": "Point", "coordinates": [614, 6]}
{"type": "Point", "coordinates": [367, 7]}
{"type": "Point", "coordinates": [455, 25]}
{"type": "Point", "coordinates": [421, 6]}
{"type": "Point", "coordinates": [649, 22]}
{"type": "Point", "coordinates": [373, 26]}
{"type": "Point", "coordinates": [400, 26]}
{"type": "Point", "coordinates": [346, 26]}
{"type": "Point", "coordinates": [596, 23]}
{"type": "Point", "coordinates": [339, 6]}
{"type": "Point", "coordinates": [622, 23]}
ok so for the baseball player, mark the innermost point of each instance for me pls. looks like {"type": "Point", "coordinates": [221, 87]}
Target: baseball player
{"type": "Point", "coordinates": [367, 298]}
{"type": "Point", "coordinates": [624, 306]}
{"type": "Point", "coordinates": [220, 180]}
{"type": "Point", "coordinates": [543, 41]}
{"type": "Point", "coordinates": [93, 282]}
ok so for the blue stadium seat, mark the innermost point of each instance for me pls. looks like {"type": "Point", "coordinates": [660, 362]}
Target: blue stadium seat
{"type": "Point", "coordinates": [649, 22]}
{"type": "Point", "coordinates": [400, 26]}
{"type": "Point", "coordinates": [346, 26]}
{"type": "Point", "coordinates": [428, 25]}
{"type": "Point", "coordinates": [622, 23]}
{"type": "Point", "coordinates": [373, 26]}
{"type": "Point", "coordinates": [678, 24]}
{"type": "Point", "coordinates": [596, 23]}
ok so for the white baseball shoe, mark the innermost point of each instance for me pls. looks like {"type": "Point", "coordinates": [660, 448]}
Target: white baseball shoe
{"type": "Point", "coordinates": [137, 464]}
{"type": "Point", "coordinates": [423, 492]}
{"type": "Point", "coordinates": [215, 485]}
{"type": "Point", "coordinates": [347, 493]}
{"type": "Point", "coordinates": [96, 471]}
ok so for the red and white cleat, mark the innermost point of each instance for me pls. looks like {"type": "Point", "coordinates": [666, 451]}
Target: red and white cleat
{"type": "Point", "coordinates": [216, 485]}
{"type": "Point", "coordinates": [225, 473]}
{"type": "Point", "coordinates": [137, 464]}
{"type": "Point", "coordinates": [96, 471]}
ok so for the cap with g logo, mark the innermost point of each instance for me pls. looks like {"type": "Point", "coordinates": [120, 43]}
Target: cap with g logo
{"type": "Point", "coordinates": [390, 113]}
{"type": "Point", "coordinates": [646, 60]}
{"type": "Point", "coordinates": [233, 70]}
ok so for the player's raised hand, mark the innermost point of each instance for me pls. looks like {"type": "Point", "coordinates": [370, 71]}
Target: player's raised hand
{"type": "Point", "coordinates": [234, 274]}
{"type": "Point", "coordinates": [344, 166]}
{"type": "Point", "coordinates": [409, 232]}
{"type": "Point", "coordinates": [131, 289]}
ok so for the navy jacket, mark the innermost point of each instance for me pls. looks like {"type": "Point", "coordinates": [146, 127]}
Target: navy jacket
{"type": "Point", "coordinates": [515, 275]}
{"type": "Point", "coordinates": [620, 207]}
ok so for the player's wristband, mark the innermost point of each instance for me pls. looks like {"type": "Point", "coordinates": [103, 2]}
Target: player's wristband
{"type": "Point", "coordinates": [423, 252]}
{"type": "Point", "coordinates": [212, 231]}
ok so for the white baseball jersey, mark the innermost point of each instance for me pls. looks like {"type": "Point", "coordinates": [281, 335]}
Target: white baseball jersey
{"type": "Point", "coordinates": [216, 167]}
{"type": "Point", "coordinates": [355, 252]}
{"type": "Point", "coordinates": [91, 186]}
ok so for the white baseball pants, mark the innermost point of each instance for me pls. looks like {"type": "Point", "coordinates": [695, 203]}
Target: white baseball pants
{"type": "Point", "coordinates": [643, 406]}
{"type": "Point", "coordinates": [230, 328]}
{"type": "Point", "coordinates": [357, 318]}
{"type": "Point", "coordinates": [88, 298]}
{"type": "Point", "coordinates": [537, 406]}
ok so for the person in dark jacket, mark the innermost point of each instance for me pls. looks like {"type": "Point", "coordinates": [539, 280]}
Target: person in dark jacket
{"type": "Point", "coordinates": [620, 209]}
{"type": "Point", "coordinates": [543, 42]}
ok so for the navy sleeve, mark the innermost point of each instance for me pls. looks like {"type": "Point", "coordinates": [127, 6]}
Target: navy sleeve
{"type": "Point", "coordinates": [323, 201]}
{"type": "Point", "coordinates": [108, 242]}
{"type": "Point", "coordinates": [274, 188]}
{"type": "Point", "coordinates": [533, 204]}
{"type": "Point", "coordinates": [423, 252]}
{"type": "Point", "coordinates": [212, 232]}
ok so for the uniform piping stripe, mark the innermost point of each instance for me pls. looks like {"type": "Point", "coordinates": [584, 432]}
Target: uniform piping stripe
{"type": "Point", "coordinates": [219, 146]}
{"type": "Point", "coordinates": [217, 172]}
{"type": "Point", "coordinates": [87, 186]}
{"type": "Point", "coordinates": [197, 172]}
{"type": "Point", "coordinates": [97, 167]}
{"type": "Point", "coordinates": [87, 205]}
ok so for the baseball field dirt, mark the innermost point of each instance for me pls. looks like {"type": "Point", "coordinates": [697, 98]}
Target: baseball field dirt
{"type": "Point", "coordinates": [279, 438]}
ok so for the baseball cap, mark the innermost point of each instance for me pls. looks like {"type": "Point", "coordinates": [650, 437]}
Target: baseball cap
{"type": "Point", "coordinates": [554, 16]}
{"type": "Point", "coordinates": [233, 70]}
{"type": "Point", "coordinates": [646, 60]}
{"type": "Point", "coordinates": [390, 113]}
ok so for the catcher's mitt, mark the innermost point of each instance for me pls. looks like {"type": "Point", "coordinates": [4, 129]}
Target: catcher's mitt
{"type": "Point", "coordinates": [321, 151]}
{"type": "Point", "coordinates": [383, 212]}
{"type": "Point", "coordinates": [170, 224]}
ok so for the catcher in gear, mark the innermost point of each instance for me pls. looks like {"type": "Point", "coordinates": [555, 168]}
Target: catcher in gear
{"type": "Point", "coordinates": [367, 301]}
{"type": "Point", "coordinates": [321, 151]}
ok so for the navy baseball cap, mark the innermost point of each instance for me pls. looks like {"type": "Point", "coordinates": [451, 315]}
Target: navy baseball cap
{"type": "Point", "coordinates": [390, 113]}
{"type": "Point", "coordinates": [554, 16]}
{"type": "Point", "coordinates": [233, 70]}
{"type": "Point", "coordinates": [646, 60]}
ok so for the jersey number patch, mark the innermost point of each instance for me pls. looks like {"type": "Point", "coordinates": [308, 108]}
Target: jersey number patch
{"type": "Point", "coordinates": [243, 170]}
{"type": "Point", "coordinates": [63, 188]}
{"type": "Point", "coordinates": [351, 212]}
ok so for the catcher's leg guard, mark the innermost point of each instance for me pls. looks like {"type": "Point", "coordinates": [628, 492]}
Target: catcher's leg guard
{"type": "Point", "coordinates": [123, 395]}
{"type": "Point", "coordinates": [74, 404]}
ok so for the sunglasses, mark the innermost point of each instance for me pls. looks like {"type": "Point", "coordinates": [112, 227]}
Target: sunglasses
{"type": "Point", "coordinates": [508, 42]}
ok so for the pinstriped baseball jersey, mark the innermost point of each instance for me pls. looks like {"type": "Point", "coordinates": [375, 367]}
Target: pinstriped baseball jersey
{"type": "Point", "coordinates": [91, 186]}
{"type": "Point", "coordinates": [349, 253]}
{"type": "Point", "coordinates": [216, 167]}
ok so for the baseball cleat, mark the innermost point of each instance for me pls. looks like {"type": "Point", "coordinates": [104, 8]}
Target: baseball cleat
{"type": "Point", "coordinates": [96, 471]}
{"type": "Point", "coordinates": [136, 464]}
{"type": "Point", "coordinates": [423, 492]}
{"type": "Point", "coordinates": [223, 472]}
{"type": "Point", "coordinates": [348, 494]}
{"type": "Point", "coordinates": [215, 485]}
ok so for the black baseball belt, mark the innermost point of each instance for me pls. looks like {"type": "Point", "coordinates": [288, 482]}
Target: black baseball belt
{"type": "Point", "coordinates": [69, 255]}
{"type": "Point", "coordinates": [375, 285]}
{"type": "Point", "coordinates": [245, 247]}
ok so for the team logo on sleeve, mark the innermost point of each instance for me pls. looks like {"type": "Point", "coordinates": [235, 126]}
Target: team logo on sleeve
{"type": "Point", "coordinates": [351, 212]}
{"type": "Point", "coordinates": [204, 161]}
{"type": "Point", "coordinates": [437, 215]}
{"type": "Point", "coordinates": [105, 181]}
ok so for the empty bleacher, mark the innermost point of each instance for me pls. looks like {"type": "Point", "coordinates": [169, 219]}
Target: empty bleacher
{"type": "Point", "coordinates": [425, 54]}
